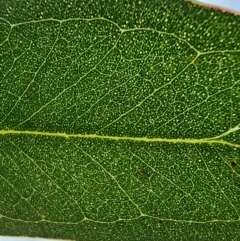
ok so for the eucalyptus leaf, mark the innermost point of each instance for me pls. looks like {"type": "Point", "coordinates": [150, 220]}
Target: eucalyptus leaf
{"type": "Point", "coordinates": [119, 120]}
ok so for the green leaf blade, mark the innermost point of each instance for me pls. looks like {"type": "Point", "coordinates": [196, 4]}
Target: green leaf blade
{"type": "Point", "coordinates": [119, 121]}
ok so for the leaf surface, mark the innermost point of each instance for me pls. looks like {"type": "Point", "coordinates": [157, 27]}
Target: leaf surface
{"type": "Point", "coordinates": [119, 120]}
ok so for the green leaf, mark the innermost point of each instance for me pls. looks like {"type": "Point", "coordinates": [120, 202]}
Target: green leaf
{"type": "Point", "coordinates": [119, 120]}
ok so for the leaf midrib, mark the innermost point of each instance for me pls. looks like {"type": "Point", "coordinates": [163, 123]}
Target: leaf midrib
{"type": "Point", "coordinates": [212, 140]}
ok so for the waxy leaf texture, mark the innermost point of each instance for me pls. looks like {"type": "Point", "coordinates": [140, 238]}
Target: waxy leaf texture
{"type": "Point", "coordinates": [119, 120]}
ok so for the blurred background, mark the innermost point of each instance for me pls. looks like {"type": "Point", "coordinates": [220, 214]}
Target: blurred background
{"type": "Point", "coordinates": [227, 4]}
